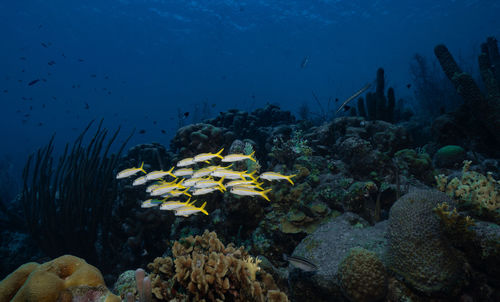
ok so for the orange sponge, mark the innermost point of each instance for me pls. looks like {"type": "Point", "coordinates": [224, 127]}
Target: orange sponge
{"type": "Point", "coordinates": [45, 282]}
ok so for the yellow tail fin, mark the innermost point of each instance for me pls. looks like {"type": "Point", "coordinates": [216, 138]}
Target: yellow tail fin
{"type": "Point", "coordinates": [218, 153]}
{"type": "Point", "coordinates": [169, 172]}
{"type": "Point", "coordinates": [251, 175]}
{"type": "Point", "coordinates": [290, 176]}
{"type": "Point", "coordinates": [250, 156]}
{"type": "Point", "coordinates": [221, 185]}
{"type": "Point", "coordinates": [242, 174]}
{"type": "Point", "coordinates": [189, 203]}
{"type": "Point", "coordinates": [263, 194]}
{"type": "Point", "coordinates": [185, 192]}
{"type": "Point", "coordinates": [142, 168]}
{"type": "Point", "coordinates": [202, 208]}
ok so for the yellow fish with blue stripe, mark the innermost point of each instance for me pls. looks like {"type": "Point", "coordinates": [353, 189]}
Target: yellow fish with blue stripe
{"type": "Point", "coordinates": [183, 172]}
{"type": "Point", "coordinates": [189, 210]}
{"type": "Point", "coordinates": [159, 174]}
{"type": "Point", "coordinates": [130, 171]}
{"type": "Point", "coordinates": [176, 193]}
{"type": "Point", "coordinates": [276, 176]}
{"type": "Point", "coordinates": [205, 157]}
{"type": "Point", "coordinates": [151, 203]}
{"type": "Point", "coordinates": [163, 189]}
{"type": "Point", "coordinates": [238, 157]}
{"type": "Point", "coordinates": [140, 181]}
{"type": "Point", "coordinates": [204, 191]}
{"type": "Point", "coordinates": [175, 204]}
{"type": "Point", "coordinates": [250, 192]}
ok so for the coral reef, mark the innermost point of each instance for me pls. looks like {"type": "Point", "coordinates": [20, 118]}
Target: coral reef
{"type": "Point", "coordinates": [260, 126]}
{"type": "Point", "coordinates": [378, 106]}
{"type": "Point", "coordinates": [348, 174]}
{"type": "Point", "coordinates": [244, 124]}
{"type": "Point", "coordinates": [125, 284]}
{"type": "Point", "coordinates": [399, 291]}
{"type": "Point", "coordinates": [326, 247]}
{"type": "Point", "coordinates": [62, 279]}
{"type": "Point", "coordinates": [415, 163]}
{"type": "Point", "coordinates": [323, 189]}
{"type": "Point", "coordinates": [473, 190]}
{"type": "Point", "coordinates": [133, 229]}
{"type": "Point", "coordinates": [417, 250]}
{"type": "Point", "coordinates": [155, 155]}
{"type": "Point", "coordinates": [479, 240]}
{"type": "Point", "coordinates": [449, 156]}
{"type": "Point", "coordinates": [476, 195]}
{"type": "Point", "coordinates": [358, 195]}
{"type": "Point", "coordinates": [354, 149]}
{"type": "Point", "coordinates": [196, 138]}
{"type": "Point", "coordinates": [205, 269]}
{"type": "Point", "coordinates": [447, 130]}
{"type": "Point", "coordinates": [455, 224]}
{"type": "Point", "coordinates": [353, 137]}
{"type": "Point", "coordinates": [142, 290]}
{"type": "Point", "coordinates": [296, 221]}
{"type": "Point", "coordinates": [485, 109]}
{"type": "Point", "coordinates": [362, 276]}
{"type": "Point", "coordinates": [296, 209]}
{"type": "Point", "coordinates": [481, 245]}
{"type": "Point", "coordinates": [287, 151]}
{"type": "Point", "coordinates": [15, 249]}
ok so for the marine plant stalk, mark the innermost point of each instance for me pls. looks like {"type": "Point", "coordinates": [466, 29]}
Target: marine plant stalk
{"type": "Point", "coordinates": [68, 209]}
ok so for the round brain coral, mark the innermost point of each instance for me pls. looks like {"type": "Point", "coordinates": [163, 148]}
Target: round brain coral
{"type": "Point", "coordinates": [418, 251]}
{"type": "Point", "coordinates": [66, 277]}
{"type": "Point", "coordinates": [362, 276]}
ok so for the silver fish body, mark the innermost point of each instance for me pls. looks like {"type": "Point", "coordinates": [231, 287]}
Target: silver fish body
{"type": "Point", "coordinates": [171, 205]}
{"type": "Point", "coordinates": [140, 181]}
{"type": "Point", "coordinates": [301, 263]}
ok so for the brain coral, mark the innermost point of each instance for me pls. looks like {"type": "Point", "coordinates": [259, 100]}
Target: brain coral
{"type": "Point", "coordinates": [362, 276]}
{"type": "Point", "coordinates": [418, 251]}
{"type": "Point", "coordinates": [66, 277]}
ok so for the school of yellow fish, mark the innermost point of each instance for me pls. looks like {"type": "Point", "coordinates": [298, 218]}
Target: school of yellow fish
{"type": "Point", "coordinates": [188, 182]}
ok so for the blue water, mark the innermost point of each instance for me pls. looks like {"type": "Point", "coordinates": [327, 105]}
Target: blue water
{"type": "Point", "coordinates": [139, 64]}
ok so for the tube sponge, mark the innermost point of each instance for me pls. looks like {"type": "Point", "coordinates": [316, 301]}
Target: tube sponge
{"type": "Point", "coordinates": [143, 285]}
